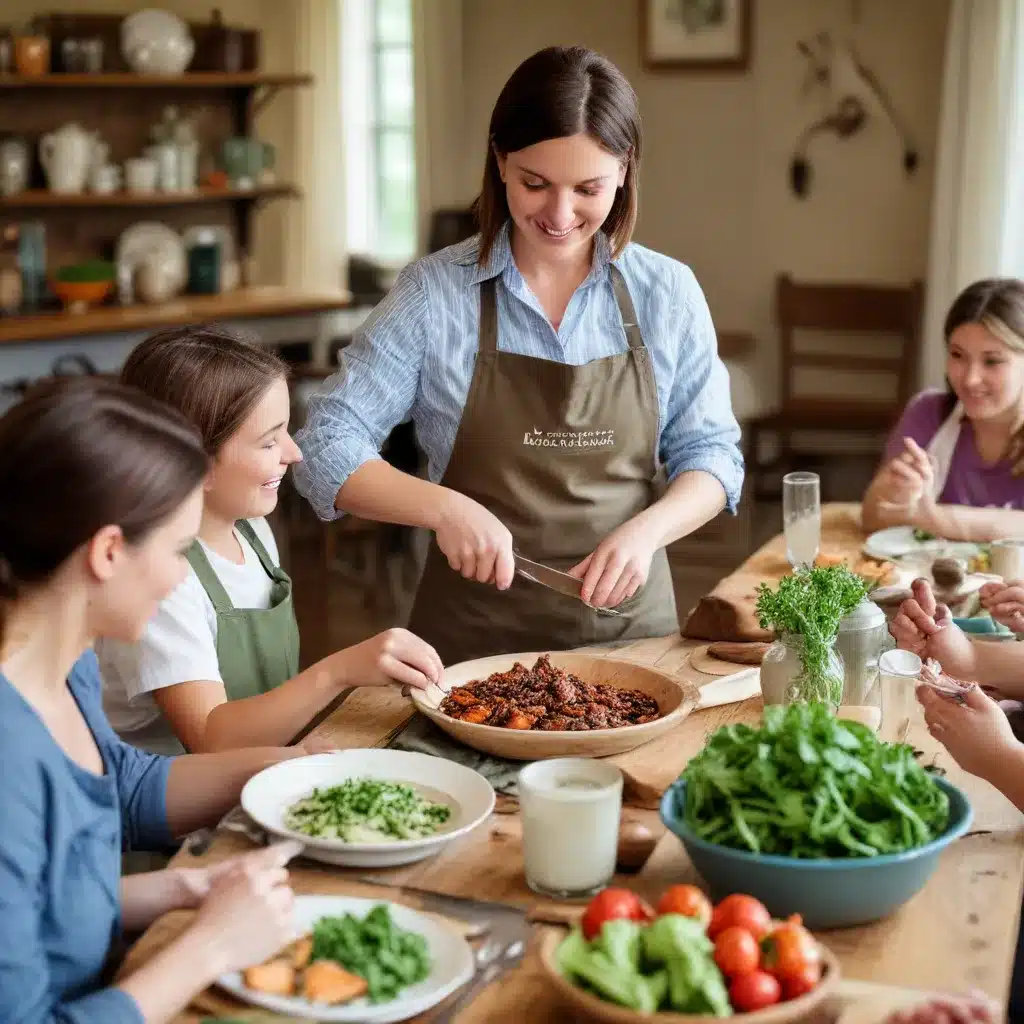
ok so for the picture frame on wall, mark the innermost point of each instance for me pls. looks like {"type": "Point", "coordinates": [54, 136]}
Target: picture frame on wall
{"type": "Point", "coordinates": [695, 35]}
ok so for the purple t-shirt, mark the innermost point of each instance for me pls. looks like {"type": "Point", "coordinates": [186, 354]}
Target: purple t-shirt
{"type": "Point", "coordinates": [970, 481]}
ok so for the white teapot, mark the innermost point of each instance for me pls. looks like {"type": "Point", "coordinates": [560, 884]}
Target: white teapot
{"type": "Point", "coordinates": [67, 156]}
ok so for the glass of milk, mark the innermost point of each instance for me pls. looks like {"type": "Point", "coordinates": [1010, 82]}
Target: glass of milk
{"type": "Point", "coordinates": [570, 808]}
{"type": "Point", "coordinates": [801, 517]}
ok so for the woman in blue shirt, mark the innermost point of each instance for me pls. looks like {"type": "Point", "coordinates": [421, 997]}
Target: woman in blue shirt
{"type": "Point", "coordinates": [102, 497]}
{"type": "Point", "coordinates": [555, 373]}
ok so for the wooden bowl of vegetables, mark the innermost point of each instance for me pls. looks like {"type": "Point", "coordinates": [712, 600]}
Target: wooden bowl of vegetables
{"type": "Point", "coordinates": [687, 961]}
{"type": "Point", "coordinates": [813, 815]}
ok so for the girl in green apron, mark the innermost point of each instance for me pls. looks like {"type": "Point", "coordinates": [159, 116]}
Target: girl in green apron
{"type": "Point", "coordinates": [217, 666]}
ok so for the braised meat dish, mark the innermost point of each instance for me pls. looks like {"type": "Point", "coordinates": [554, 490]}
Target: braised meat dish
{"type": "Point", "coordinates": [547, 698]}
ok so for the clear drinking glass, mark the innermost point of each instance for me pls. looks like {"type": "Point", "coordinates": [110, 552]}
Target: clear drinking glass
{"type": "Point", "coordinates": [570, 808]}
{"type": "Point", "coordinates": [801, 517]}
{"type": "Point", "coordinates": [898, 673]}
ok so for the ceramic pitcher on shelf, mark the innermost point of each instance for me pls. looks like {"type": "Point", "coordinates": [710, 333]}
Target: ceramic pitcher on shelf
{"type": "Point", "coordinates": [66, 156]}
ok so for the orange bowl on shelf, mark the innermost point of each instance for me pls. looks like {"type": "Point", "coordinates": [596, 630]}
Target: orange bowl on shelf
{"type": "Point", "coordinates": [81, 294]}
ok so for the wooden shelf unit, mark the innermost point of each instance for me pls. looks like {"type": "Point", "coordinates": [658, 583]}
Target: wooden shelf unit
{"type": "Point", "coordinates": [40, 198]}
{"type": "Point", "coordinates": [129, 80]}
{"type": "Point", "coordinates": [186, 309]}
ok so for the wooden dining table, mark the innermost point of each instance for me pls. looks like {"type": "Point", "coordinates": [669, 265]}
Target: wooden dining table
{"type": "Point", "coordinates": [958, 934]}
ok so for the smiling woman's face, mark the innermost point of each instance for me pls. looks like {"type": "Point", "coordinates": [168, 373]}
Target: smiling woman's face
{"type": "Point", "coordinates": [248, 469]}
{"type": "Point", "coordinates": [560, 192]}
{"type": "Point", "coordinates": [986, 374]}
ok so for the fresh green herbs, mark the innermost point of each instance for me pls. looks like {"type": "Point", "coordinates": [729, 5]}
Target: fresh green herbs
{"type": "Point", "coordinates": [367, 811]}
{"type": "Point", "coordinates": [923, 535]}
{"type": "Point", "coordinates": [811, 603]}
{"type": "Point", "coordinates": [806, 784]}
{"type": "Point", "coordinates": [375, 948]}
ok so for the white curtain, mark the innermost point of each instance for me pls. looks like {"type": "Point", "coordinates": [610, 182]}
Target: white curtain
{"type": "Point", "coordinates": [439, 110]}
{"type": "Point", "coordinates": [315, 232]}
{"type": "Point", "coordinates": [978, 206]}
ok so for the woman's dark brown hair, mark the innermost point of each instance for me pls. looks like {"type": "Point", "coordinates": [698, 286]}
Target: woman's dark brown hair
{"type": "Point", "coordinates": [78, 454]}
{"type": "Point", "coordinates": [211, 374]}
{"type": "Point", "coordinates": [558, 92]}
{"type": "Point", "coordinates": [997, 304]}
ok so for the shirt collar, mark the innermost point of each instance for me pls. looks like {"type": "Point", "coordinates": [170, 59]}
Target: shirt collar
{"type": "Point", "coordinates": [500, 258]}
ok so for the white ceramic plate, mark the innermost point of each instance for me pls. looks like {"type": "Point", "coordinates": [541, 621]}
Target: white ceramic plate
{"type": "Point", "coordinates": [268, 795]}
{"type": "Point", "coordinates": [450, 954]}
{"type": "Point", "coordinates": [150, 237]}
{"type": "Point", "coordinates": [898, 542]}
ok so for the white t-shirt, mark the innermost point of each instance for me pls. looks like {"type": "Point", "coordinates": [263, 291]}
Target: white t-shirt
{"type": "Point", "coordinates": [179, 644]}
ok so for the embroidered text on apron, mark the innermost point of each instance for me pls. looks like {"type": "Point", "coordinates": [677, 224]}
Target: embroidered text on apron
{"type": "Point", "coordinates": [562, 455]}
{"type": "Point", "coordinates": [257, 648]}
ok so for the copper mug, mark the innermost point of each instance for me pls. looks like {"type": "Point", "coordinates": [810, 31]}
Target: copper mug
{"type": "Point", "coordinates": [32, 55]}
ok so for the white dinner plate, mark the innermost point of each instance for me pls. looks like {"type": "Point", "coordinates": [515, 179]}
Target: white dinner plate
{"type": "Point", "coordinates": [898, 542]}
{"type": "Point", "coordinates": [450, 954]}
{"type": "Point", "coordinates": [268, 795]}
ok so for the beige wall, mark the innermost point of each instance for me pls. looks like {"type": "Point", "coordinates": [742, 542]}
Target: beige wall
{"type": "Point", "coordinates": [714, 181]}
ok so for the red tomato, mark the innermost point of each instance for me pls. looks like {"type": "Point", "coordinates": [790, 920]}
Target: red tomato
{"type": "Point", "coordinates": [802, 982]}
{"type": "Point", "coordinates": [610, 905]}
{"type": "Point", "coordinates": [754, 991]}
{"type": "Point", "coordinates": [742, 912]}
{"type": "Point", "coordinates": [687, 900]}
{"type": "Point", "coordinates": [736, 952]}
{"type": "Point", "coordinates": [790, 950]}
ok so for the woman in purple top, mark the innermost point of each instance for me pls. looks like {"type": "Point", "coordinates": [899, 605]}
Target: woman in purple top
{"type": "Point", "coordinates": [955, 462]}
{"type": "Point", "coordinates": [102, 493]}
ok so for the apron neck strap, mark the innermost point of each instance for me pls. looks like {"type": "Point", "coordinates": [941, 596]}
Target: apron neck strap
{"type": "Point", "coordinates": [489, 312]}
{"type": "Point", "coordinates": [209, 579]}
{"type": "Point", "coordinates": [488, 316]}
{"type": "Point", "coordinates": [626, 309]}
{"type": "Point", "coordinates": [245, 528]}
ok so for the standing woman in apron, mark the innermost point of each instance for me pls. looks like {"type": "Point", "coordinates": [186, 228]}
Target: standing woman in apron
{"type": "Point", "coordinates": [954, 464]}
{"type": "Point", "coordinates": [217, 667]}
{"type": "Point", "coordinates": [553, 371]}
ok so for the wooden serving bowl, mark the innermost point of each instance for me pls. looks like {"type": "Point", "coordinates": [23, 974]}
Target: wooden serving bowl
{"type": "Point", "coordinates": [676, 699]}
{"type": "Point", "coordinates": [590, 1007]}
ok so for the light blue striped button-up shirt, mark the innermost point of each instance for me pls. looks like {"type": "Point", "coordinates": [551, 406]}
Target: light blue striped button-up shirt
{"type": "Point", "coordinates": [413, 359]}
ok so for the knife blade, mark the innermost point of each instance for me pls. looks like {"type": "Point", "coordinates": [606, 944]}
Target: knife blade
{"type": "Point", "coordinates": [554, 579]}
{"type": "Point", "coordinates": [463, 907]}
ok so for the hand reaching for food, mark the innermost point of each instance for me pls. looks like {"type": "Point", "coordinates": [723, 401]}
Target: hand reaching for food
{"type": "Point", "coordinates": [972, 727]}
{"type": "Point", "coordinates": [1004, 601]}
{"type": "Point", "coordinates": [394, 656]}
{"type": "Point", "coordinates": [926, 628]}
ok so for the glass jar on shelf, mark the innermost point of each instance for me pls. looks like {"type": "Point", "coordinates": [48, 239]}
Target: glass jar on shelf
{"type": "Point", "coordinates": [793, 671]}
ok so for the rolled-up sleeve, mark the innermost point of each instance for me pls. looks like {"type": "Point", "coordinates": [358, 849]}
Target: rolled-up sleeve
{"type": "Point", "coordinates": [700, 430]}
{"type": "Point", "coordinates": [374, 391]}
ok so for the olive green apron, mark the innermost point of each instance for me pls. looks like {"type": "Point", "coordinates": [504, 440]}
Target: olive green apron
{"type": "Point", "coordinates": [257, 648]}
{"type": "Point", "coordinates": [562, 455]}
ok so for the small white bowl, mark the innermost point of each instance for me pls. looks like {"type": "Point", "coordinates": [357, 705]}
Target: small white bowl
{"type": "Point", "coordinates": [268, 795]}
{"type": "Point", "coordinates": [160, 57]}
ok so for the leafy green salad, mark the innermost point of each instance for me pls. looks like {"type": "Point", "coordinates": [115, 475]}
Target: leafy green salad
{"type": "Point", "coordinates": [367, 811]}
{"type": "Point", "coordinates": [806, 784]}
{"type": "Point", "coordinates": [375, 948]}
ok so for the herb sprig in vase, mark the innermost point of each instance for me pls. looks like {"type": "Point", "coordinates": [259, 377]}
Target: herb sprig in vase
{"type": "Point", "coordinates": [805, 610]}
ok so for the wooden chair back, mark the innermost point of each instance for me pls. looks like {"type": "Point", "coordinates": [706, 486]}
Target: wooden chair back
{"type": "Point", "coordinates": [854, 309]}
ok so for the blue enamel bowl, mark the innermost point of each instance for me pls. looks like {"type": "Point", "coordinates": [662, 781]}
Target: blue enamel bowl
{"type": "Point", "coordinates": [827, 893]}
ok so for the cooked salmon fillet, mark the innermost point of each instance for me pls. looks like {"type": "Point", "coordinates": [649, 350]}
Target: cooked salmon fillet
{"type": "Point", "coordinates": [276, 977]}
{"type": "Point", "coordinates": [326, 982]}
{"type": "Point", "coordinates": [301, 951]}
